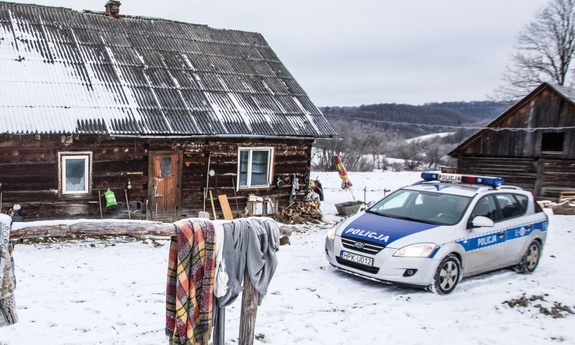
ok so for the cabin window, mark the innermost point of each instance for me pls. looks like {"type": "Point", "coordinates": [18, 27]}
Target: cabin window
{"type": "Point", "coordinates": [75, 169]}
{"type": "Point", "coordinates": [552, 142]}
{"type": "Point", "coordinates": [255, 167]}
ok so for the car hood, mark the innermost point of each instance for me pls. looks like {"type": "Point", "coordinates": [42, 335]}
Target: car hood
{"type": "Point", "coordinates": [383, 230]}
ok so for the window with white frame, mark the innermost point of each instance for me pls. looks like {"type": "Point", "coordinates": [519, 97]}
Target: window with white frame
{"type": "Point", "coordinates": [254, 168]}
{"type": "Point", "coordinates": [75, 169]}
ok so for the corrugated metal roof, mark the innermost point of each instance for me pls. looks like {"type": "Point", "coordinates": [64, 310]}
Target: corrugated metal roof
{"type": "Point", "coordinates": [63, 71]}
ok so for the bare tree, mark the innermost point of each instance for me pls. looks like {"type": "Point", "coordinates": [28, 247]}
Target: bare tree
{"type": "Point", "coordinates": [544, 51]}
{"type": "Point", "coordinates": [413, 153]}
{"type": "Point", "coordinates": [355, 145]}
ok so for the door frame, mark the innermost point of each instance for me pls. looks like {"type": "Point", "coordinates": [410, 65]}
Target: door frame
{"type": "Point", "coordinates": [152, 154]}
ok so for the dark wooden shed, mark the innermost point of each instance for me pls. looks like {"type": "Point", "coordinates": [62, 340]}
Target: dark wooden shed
{"type": "Point", "coordinates": [531, 145]}
{"type": "Point", "coordinates": [144, 107]}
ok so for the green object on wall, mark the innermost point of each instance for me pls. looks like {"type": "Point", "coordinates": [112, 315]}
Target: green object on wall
{"type": "Point", "coordinates": [110, 198]}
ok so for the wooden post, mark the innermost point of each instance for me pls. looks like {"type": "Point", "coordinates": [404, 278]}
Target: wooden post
{"type": "Point", "coordinates": [250, 298]}
{"type": "Point", "coordinates": [100, 203]}
{"type": "Point", "coordinates": [128, 204]}
{"type": "Point", "coordinates": [213, 206]}
{"type": "Point", "coordinates": [236, 198]}
{"type": "Point", "coordinates": [207, 181]}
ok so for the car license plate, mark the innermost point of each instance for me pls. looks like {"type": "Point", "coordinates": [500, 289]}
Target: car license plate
{"type": "Point", "coordinates": [360, 259]}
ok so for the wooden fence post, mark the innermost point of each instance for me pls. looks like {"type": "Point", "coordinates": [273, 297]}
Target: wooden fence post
{"type": "Point", "coordinates": [250, 299]}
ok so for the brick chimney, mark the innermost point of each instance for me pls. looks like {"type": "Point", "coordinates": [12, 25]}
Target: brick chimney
{"type": "Point", "coordinates": [113, 9]}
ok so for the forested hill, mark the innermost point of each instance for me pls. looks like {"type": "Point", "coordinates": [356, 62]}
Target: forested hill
{"type": "Point", "coordinates": [414, 120]}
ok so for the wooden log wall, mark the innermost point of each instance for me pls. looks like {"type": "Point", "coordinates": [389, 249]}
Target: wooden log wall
{"type": "Point", "coordinates": [545, 178]}
{"type": "Point", "coordinates": [547, 109]}
{"type": "Point", "coordinates": [291, 158]}
{"type": "Point", "coordinates": [558, 176]}
{"type": "Point", "coordinates": [29, 173]}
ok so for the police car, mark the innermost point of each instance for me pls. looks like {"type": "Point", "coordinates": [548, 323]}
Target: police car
{"type": "Point", "coordinates": [439, 230]}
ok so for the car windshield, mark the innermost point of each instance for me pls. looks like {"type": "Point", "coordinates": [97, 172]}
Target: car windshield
{"type": "Point", "coordinates": [423, 206]}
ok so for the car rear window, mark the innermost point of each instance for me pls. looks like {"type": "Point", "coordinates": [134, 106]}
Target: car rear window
{"type": "Point", "coordinates": [510, 205]}
{"type": "Point", "coordinates": [523, 200]}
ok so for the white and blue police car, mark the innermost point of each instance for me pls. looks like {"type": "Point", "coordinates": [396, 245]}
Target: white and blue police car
{"type": "Point", "coordinates": [439, 230]}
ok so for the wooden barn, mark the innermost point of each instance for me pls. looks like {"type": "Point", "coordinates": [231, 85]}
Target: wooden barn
{"type": "Point", "coordinates": [166, 115]}
{"type": "Point", "coordinates": [531, 145]}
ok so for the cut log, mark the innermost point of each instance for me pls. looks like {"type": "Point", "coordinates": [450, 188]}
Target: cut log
{"type": "Point", "coordinates": [22, 230]}
{"type": "Point", "coordinates": [86, 227]}
{"type": "Point", "coordinates": [564, 208]}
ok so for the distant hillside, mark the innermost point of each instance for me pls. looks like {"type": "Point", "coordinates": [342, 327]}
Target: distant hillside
{"type": "Point", "coordinates": [415, 120]}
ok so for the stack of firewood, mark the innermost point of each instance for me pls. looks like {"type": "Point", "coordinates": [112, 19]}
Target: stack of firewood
{"type": "Point", "coordinates": [302, 210]}
{"type": "Point", "coordinates": [567, 207]}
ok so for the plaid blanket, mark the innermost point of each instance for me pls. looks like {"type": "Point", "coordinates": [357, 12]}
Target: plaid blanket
{"type": "Point", "coordinates": [190, 285]}
{"type": "Point", "coordinates": [8, 314]}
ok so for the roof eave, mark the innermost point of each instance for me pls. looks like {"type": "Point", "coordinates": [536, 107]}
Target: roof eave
{"type": "Point", "coordinates": [519, 104]}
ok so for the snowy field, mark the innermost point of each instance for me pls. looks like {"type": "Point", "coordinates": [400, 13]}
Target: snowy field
{"type": "Point", "coordinates": [104, 292]}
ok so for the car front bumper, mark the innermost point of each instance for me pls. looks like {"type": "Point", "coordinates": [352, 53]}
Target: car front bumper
{"type": "Point", "coordinates": [386, 268]}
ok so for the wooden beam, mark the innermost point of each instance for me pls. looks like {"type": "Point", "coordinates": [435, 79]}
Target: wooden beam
{"type": "Point", "coordinates": [96, 227]}
{"type": "Point", "coordinates": [84, 227]}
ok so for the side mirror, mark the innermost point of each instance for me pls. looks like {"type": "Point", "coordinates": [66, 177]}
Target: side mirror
{"type": "Point", "coordinates": [370, 203]}
{"type": "Point", "coordinates": [481, 222]}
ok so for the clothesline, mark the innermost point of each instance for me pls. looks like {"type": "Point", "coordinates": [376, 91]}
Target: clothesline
{"type": "Point", "coordinates": [192, 265]}
{"type": "Point", "coordinates": [96, 227]}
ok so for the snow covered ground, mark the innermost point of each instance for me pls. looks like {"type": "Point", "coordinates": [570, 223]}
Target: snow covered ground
{"type": "Point", "coordinates": [107, 292]}
{"type": "Point", "coordinates": [429, 136]}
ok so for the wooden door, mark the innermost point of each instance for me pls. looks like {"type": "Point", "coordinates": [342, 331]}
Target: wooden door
{"type": "Point", "coordinates": [164, 181]}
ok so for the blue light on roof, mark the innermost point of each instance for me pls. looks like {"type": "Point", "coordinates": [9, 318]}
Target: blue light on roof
{"type": "Point", "coordinates": [458, 178]}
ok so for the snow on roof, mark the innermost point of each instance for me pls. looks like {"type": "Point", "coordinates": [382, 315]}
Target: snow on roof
{"type": "Point", "coordinates": [63, 71]}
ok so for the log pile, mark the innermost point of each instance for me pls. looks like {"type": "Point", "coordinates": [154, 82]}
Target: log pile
{"type": "Point", "coordinates": [301, 211]}
{"type": "Point", "coordinates": [564, 208]}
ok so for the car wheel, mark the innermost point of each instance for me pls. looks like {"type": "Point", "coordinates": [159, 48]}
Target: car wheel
{"type": "Point", "coordinates": [447, 275]}
{"type": "Point", "coordinates": [530, 259]}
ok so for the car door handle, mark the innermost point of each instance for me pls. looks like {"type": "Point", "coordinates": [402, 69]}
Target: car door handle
{"type": "Point", "coordinates": [501, 234]}
{"type": "Point", "coordinates": [528, 227]}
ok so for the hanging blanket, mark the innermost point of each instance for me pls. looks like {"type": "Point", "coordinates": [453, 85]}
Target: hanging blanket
{"type": "Point", "coordinates": [8, 314]}
{"type": "Point", "coordinates": [190, 286]}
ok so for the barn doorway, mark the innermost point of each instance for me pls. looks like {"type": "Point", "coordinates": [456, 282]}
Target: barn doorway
{"type": "Point", "coordinates": [164, 180]}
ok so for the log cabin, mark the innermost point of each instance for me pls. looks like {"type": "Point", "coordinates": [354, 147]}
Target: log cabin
{"type": "Point", "coordinates": [530, 145]}
{"type": "Point", "coordinates": [163, 116]}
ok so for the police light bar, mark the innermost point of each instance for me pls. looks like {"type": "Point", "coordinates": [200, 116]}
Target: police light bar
{"type": "Point", "coordinates": [457, 178]}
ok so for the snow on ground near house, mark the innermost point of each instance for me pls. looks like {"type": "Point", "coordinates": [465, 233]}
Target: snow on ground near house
{"type": "Point", "coordinates": [101, 292]}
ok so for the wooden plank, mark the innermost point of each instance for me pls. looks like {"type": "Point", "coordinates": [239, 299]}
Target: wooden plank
{"type": "Point", "coordinates": [224, 204]}
{"type": "Point", "coordinates": [567, 195]}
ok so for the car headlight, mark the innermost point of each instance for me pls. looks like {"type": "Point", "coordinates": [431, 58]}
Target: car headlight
{"type": "Point", "coordinates": [419, 250]}
{"type": "Point", "coordinates": [331, 233]}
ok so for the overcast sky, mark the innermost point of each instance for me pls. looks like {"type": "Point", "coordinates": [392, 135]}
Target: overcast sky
{"type": "Point", "coordinates": [354, 52]}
